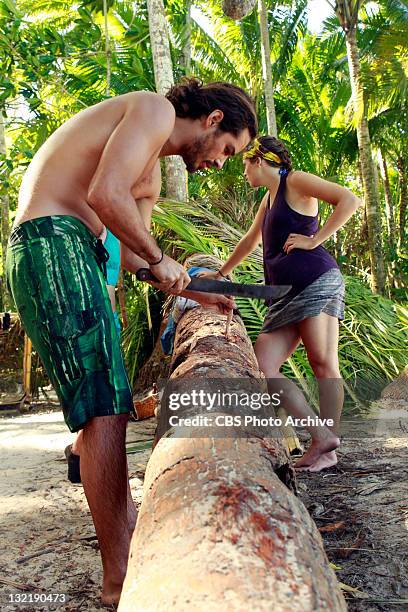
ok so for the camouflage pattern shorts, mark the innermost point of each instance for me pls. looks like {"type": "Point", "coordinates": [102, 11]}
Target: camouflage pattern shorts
{"type": "Point", "coordinates": [55, 276]}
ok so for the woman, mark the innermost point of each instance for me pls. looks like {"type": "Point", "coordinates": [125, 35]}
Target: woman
{"type": "Point", "coordinates": [287, 224]}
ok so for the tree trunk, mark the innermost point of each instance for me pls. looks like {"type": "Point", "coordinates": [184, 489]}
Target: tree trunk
{"type": "Point", "coordinates": [371, 195]}
{"type": "Point", "coordinates": [219, 525]}
{"type": "Point", "coordinates": [5, 225]}
{"type": "Point", "coordinates": [176, 177]}
{"type": "Point", "coordinates": [338, 248]}
{"type": "Point", "coordinates": [402, 170]}
{"type": "Point", "coordinates": [107, 49]}
{"type": "Point", "coordinates": [389, 215]}
{"type": "Point", "coordinates": [122, 300]}
{"type": "Point", "coordinates": [186, 52]}
{"type": "Point", "coordinates": [237, 9]}
{"type": "Point", "coordinates": [389, 206]}
{"type": "Point", "coordinates": [267, 69]}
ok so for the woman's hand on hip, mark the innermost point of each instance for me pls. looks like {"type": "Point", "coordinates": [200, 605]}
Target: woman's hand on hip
{"type": "Point", "coordinates": [299, 241]}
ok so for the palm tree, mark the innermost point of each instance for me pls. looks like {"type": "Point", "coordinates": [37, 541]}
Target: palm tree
{"type": "Point", "coordinates": [347, 12]}
{"type": "Point", "coordinates": [186, 31]}
{"type": "Point", "coordinates": [267, 69]}
{"type": "Point", "coordinates": [258, 65]}
{"type": "Point", "coordinates": [176, 181]}
{"type": "Point", "coordinates": [238, 9]}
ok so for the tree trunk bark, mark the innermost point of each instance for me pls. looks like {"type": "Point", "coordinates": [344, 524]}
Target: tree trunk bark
{"type": "Point", "coordinates": [186, 57]}
{"type": "Point", "coordinates": [371, 195]}
{"type": "Point", "coordinates": [176, 177]}
{"type": "Point", "coordinates": [4, 225]}
{"type": "Point", "coordinates": [107, 48]}
{"type": "Point", "coordinates": [122, 300]}
{"type": "Point", "coordinates": [389, 205]}
{"type": "Point", "coordinates": [389, 216]}
{"type": "Point", "coordinates": [402, 170]}
{"type": "Point", "coordinates": [267, 69]}
{"type": "Point", "coordinates": [218, 524]}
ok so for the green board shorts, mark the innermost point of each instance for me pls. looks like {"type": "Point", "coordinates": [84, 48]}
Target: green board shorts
{"type": "Point", "coordinates": [55, 272]}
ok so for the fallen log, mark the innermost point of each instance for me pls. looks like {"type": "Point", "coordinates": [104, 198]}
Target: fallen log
{"type": "Point", "coordinates": [220, 525]}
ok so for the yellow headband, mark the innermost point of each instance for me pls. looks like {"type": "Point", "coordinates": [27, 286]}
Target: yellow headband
{"type": "Point", "coordinates": [255, 151]}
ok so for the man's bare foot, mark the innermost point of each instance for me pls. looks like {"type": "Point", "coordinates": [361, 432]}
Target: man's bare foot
{"type": "Point", "coordinates": [111, 592]}
{"type": "Point", "coordinates": [111, 599]}
{"type": "Point", "coordinates": [316, 450]}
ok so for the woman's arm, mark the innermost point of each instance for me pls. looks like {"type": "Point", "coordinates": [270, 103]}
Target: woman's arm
{"type": "Point", "coordinates": [245, 246]}
{"type": "Point", "coordinates": [344, 201]}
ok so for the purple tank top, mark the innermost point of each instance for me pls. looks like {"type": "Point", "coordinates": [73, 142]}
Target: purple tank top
{"type": "Point", "coordinates": [299, 268]}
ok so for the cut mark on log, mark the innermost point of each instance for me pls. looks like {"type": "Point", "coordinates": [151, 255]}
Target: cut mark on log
{"type": "Point", "coordinates": [171, 467]}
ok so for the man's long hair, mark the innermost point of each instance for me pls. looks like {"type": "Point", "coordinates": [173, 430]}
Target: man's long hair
{"type": "Point", "coordinates": [193, 100]}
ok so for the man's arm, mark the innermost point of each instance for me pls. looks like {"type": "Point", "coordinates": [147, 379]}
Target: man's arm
{"type": "Point", "coordinates": [132, 262]}
{"type": "Point", "coordinates": [133, 147]}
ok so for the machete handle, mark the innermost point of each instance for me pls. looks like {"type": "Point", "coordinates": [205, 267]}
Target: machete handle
{"type": "Point", "coordinates": [144, 274]}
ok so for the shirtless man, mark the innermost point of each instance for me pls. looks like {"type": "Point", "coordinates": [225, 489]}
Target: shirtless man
{"type": "Point", "coordinates": [91, 173]}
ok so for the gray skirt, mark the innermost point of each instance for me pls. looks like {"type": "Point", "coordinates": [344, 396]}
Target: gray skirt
{"type": "Point", "coordinates": [325, 294]}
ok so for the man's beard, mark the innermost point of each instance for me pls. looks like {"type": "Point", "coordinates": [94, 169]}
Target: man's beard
{"type": "Point", "coordinates": [195, 152]}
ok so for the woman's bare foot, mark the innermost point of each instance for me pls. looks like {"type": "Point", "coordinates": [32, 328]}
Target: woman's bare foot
{"type": "Point", "coordinates": [325, 461]}
{"type": "Point", "coordinates": [316, 450]}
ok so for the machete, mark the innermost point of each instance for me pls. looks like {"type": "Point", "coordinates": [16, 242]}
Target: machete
{"type": "Point", "coordinates": [209, 285]}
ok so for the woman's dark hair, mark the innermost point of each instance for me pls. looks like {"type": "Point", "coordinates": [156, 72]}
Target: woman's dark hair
{"type": "Point", "coordinates": [193, 100]}
{"type": "Point", "coordinates": [270, 143]}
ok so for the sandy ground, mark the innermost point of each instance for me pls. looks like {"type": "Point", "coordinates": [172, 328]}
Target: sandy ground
{"type": "Point", "coordinates": [48, 543]}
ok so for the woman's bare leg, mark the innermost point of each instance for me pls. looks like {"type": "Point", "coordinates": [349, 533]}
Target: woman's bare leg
{"type": "Point", "coordinates": [272, 350]}
{"type": "Point", "coordinates": [320, 337]}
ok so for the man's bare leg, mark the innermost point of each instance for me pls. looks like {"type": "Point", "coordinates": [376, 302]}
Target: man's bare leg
{"type": "Point", "coordinates": [132, 514]}
{"type": "Point", "coordinates": [320, 337]}
{"type": "Point", "coordinates": [105, 479]}
{"type": "Point", "coordinates": [272, 350]}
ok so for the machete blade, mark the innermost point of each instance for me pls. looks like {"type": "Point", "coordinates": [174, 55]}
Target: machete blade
{"type": "Point", "coordinates": [261, 292]}
{"type": "Point", "coordinates": [209, 285]}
